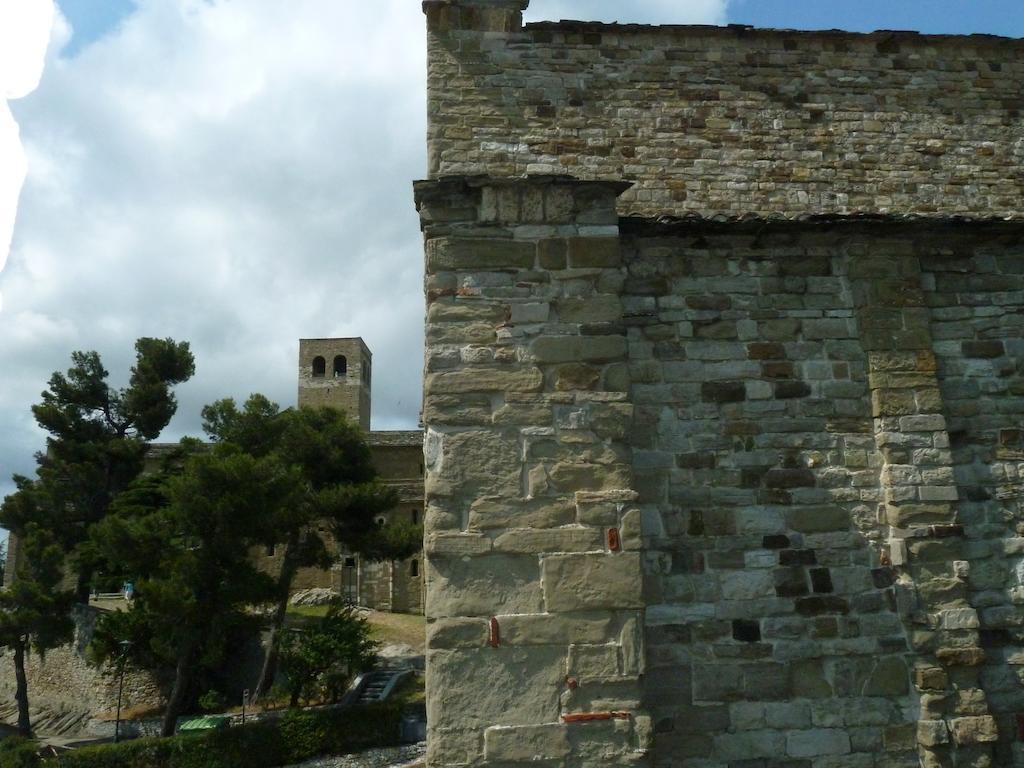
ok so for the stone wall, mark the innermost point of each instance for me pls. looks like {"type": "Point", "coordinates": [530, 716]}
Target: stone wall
{"type": "Point", "coordinates": [63, 681]}
{"type": "Point", "coordinates": [722, 490]}
{"type": "Point", "coordinates": [729, 119]}
{"type": "Point", "coordinates": [741, 429]}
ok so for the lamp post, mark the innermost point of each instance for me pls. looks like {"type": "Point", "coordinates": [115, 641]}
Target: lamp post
{"type": "Point", "coordinates": [125, 645]}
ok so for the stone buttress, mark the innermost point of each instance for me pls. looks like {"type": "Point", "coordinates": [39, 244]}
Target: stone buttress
{"type": "Point", "coordinates": [534, 603]}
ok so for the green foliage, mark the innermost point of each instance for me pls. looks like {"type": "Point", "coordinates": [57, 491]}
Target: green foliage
{"type": "Point", "coordinates": [34, 610]}
{"type": "Point", "coordinates": [213, 701]}
{"type": "Point", "coordinates": [96, 441]}
{"type": "Point", "coordinates": [186, 532]}
{"type": "Point", "coordinates": [295, 737]}
{"type": "Point", "coordinates": [320, 660]}
{"type": "Point", "coordinates": [18, 752]}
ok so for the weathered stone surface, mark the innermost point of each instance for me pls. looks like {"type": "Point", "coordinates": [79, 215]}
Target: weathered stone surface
{"type": "Point", "coordinates": [555, 629]}
{"type": "Point", "coordinates": [530, 743]}
{"type": "Point", "coordinates": [567, 349]}
{"type": "Point", "coordinates": [568, 539]}
{"type": "Point", "coordinates": [484, 687]}
{"type": "Point", "coordinates": [481, 379]}
{"type": "Point", "coordinates": [587, 581]}
{"type": "Point", "coordinates": [482, 586]}
{"type": "Point", "coordinates": [463, 462]}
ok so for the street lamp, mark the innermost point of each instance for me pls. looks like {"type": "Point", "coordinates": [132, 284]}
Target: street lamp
{"type": "Point", "coordinates": [125, 645]}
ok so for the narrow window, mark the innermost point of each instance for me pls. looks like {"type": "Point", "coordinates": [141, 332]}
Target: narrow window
{"type": "Point", "coordinates": [414, 568]}
{"type": "Point", "coordinates": [340, 366]}
{"type": "Point", "coordinates": [319, 366]}
{"type": "Point", "coordinates": [415, 517]}
{"type": "Point", "coordinates": [270, 550]}
{"type": "Point", "coordinates": [350, 562]}
{"type": "Point", "coordinates": [380, 521]}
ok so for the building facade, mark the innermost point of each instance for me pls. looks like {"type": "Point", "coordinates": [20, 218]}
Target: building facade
{"type": "Point", "coordinates": [724, 395]}
{"type": "Point", "coordinates": [336, 373]}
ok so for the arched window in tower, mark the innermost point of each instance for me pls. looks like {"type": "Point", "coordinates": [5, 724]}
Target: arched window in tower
{"type": "Point", "coordinates": [414, 568]}
{"type": "Point", "coordinates": [319, 367]}
{"type": "Point", "coordinates": [340, 366]}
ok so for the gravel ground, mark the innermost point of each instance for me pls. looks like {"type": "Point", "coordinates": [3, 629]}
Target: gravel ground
{"type": "Point", "coordinates": [408, 756]}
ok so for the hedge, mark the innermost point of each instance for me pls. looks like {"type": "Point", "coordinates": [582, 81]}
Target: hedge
{"type": "Point", "coordinates": [297, 736]}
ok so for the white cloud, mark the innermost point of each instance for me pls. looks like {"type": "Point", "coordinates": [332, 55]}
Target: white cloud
{"type": "Point", "coordinates": [24, 33]}
{"type": "Point", "coordinates": [235, 174]}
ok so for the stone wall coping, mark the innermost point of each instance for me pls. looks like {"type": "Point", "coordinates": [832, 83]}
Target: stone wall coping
{"type": "Point", "coordinates": [397, 437]}
{"type": "Point", "coordinates": [668, 225]}
{"type": "Point", "coordinates": [426, 189]}
{"type": "Point", "coordinates": [747, 30]}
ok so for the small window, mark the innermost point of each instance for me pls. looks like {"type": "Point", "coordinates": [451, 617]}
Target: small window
{"type": "Point", "coordinates": [319, 366]}
{"type": "Point", "coordinates": [350, 562]}
{"type": "Point", "coordinates": [415, 517]}
{"type": "Point", "coordinates": [340, 366]}
{"type": "Point", "coordinates": [270, 550]}
{"type": "Point", "coordinates": [380, 521]}
{"type": "Point", "coordinates": [414, 568]}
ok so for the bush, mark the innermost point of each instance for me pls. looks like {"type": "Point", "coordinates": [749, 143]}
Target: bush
{"type": "Point", "coordinates": [17, 752]}
{"type": "Point", "coordinates": [295, 737]}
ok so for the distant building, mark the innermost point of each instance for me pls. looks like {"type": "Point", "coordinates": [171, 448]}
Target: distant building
{"type": "Point", "coordinates": [337, 373]}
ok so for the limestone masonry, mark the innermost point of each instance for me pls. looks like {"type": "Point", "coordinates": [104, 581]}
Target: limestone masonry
{"type": "Point", "coordinates": [723, 395]}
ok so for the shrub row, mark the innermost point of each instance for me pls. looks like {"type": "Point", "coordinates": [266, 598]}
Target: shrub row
{"type": "Point", "coordinates": [293, 738]}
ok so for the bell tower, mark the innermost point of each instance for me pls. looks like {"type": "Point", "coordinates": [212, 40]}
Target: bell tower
{"type": "Point", "coordinates": [336, 373]}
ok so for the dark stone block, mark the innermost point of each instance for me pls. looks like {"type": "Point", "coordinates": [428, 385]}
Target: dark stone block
{"type": "Point", "coordinates": [790, 582]}
{"type": "Point", "coordinates": [821, 580]}
{"type": "Point", "coordinates": [750, 477]}
{"type": "Point", "coordinates": [797, 557]}
{"type": "Point", "coordinates": [766, 350]}
{"type": "Point", "coordinates": [723, 391]}
{"type": "Point", "coordinates": [709, 302]}
{"type": "Point", "coordinates": [703, 460]}
{"type": "Point", "coordinates": [775, 541]}
{"type": "Point", "coordinates": [746, 631]}
{"type": "Point", "coordinates": [816, 605]}
{"type": "Point", "coordinates": [789, 390]}
{"type": "Point", "coordinates": [883, 577]}
{"type": "Point", "coordinates": [994, 638]}
{"type": "Point", "coordinates": [987, 348]}
{"type": "Point", "coordinates": [789, 478]}
{"type": "Point", "coordinates": [777, 369]}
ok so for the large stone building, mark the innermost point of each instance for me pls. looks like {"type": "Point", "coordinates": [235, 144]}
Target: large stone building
{"type": "Point", "coordinates": [724, 395]}
{"type": "Point", "coordinates": [336, 373]}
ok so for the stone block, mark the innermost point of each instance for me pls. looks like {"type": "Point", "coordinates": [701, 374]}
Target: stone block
{"type": "Point", "coordinates": [974, 730]}
{"type": "Point", "coordinates": [478, 254]}
{"type": "Point", "coordinates": [464, 462]}
{"type": "Point", "coordinates": [456, 544]}
{"type": "Point", "coordinates": [490, 512]}
{"type": "Point", "coordinates": [494, 686]}
{"type": "Point", "coordinates": [931, 733]}
{"type": "Point", "coordinates": [723, 391]}
{"type": "Point", "coordinates": [594, 252]}
{"type": "Point", "coordinates": [566, 539]}
{"type": "Point", "coordinates": [747, 745]}
{"type": "Point", "coordinates": [483, 379]}
{"type": "Point", "coordinates": [569, 349]}
{"type": "Point", "coordinates": [588, 581]}
{"type": "Point", "coordinates": [555, 629]}
{"type": "Point", "coordinates": [482, 586]}
{"type": "Point", "coordinates": [818, 519]}
{"type": "Point", "coordinates": [457, 633]}
{"type": "Point", "coordinates": [530, 744]}
{"type": "Point", "coordinates": [818, 741]}
{"type": "Point", "coordinates": [593, 662]}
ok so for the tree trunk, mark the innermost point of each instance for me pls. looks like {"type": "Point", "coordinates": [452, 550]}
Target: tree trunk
{"type": "Point", "coordinates": [176, 701]}
{"type": "Point", "coordinates": [289, 567]}
{"type": "Point", "coordinates": [21, 693]}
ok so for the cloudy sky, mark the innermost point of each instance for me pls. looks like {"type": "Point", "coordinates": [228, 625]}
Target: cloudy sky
{"type": "Point", "coordinates": [237, 173]}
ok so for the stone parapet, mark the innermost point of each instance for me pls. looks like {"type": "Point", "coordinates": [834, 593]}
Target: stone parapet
{"type": "Point", "coordinates": [534, 579]}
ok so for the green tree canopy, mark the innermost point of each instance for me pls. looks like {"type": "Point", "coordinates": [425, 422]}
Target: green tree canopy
{"type": "Point", "coordinates": [186, 532]}
{"type": "Point", "coordinates": [96, 441]}
{"type": "Point", "coordinates": [339, 489]}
